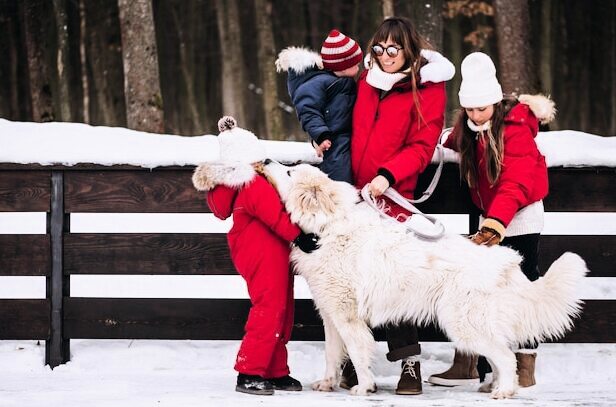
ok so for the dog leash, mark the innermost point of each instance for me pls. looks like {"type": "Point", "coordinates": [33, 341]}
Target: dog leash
{"type": "Point", "coordinates": [407, 204]}
{"type": "Point", "coordinates": [439, 169]}
{"type": "Point", "coordinates": [403, 202]}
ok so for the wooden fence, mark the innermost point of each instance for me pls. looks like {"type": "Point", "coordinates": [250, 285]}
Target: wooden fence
{"type": "Point", "coordinates": [58, 254]}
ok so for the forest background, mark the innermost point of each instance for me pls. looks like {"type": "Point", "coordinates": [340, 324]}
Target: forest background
{"type": "Point", "coordinates": [176, 66]}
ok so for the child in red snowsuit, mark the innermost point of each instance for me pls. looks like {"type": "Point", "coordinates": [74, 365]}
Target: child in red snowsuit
{"type": "Point", "coordinates": [259, 245]}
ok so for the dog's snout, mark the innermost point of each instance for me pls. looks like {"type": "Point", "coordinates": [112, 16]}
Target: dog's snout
{"type": "Point", "coordinates": [267, 161]}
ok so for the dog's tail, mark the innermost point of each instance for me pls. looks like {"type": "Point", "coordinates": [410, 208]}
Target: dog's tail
{"type": "Point", "coordinates": [552, 303]}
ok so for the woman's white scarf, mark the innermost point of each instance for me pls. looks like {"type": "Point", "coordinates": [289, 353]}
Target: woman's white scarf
{"type": "Point", "coordinates": [380, 79]}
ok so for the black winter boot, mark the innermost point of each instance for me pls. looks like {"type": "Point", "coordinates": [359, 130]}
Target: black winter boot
{"type": "Point", "coordinates": [252, 384]}
{"type": "Point", "coordinates": [286, 383]}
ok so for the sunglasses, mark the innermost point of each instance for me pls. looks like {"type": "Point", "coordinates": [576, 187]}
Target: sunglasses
{"type": "Point", "coordinates": [392, 51]}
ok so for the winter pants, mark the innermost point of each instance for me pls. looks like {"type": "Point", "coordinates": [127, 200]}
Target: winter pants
{"type": "Point", "coordinates": [402, 341]}
{"type": "Point", "coordinates": [263, 350]}
{"type": "Point", "coordinates": [528, 247]}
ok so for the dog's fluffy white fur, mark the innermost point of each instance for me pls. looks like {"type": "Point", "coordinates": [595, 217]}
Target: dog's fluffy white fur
{"type": "Point", "coordinates": [370, 272]}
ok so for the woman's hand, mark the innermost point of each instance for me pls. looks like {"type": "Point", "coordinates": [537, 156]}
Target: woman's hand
{"type": "Point", "coordinates": [378, 186]}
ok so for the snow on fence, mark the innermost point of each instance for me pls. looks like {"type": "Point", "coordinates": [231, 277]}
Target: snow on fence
{"type": "Point", "coordinates": [63, 192]}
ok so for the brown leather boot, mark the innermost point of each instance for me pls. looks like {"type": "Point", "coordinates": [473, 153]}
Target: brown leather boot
{"type": "Point", "coordinates": [462, 371]}
{"type": "Point", "coordinates": [526, 368]}
{"type": "Point", "coordinates": [348, 378]}
{"type": "Point", "coordinates": [410, 378]}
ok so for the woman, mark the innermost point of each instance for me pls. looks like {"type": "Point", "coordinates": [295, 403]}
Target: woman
{"type": "Point", "coordinates": [397, 120]}
{"type": "Point", "coordinates": [508, 180]}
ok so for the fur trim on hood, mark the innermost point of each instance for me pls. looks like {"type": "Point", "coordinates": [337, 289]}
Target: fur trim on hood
{"type": "Point", "coordinates": [542, 106]}
{"type": "Point", "coordinates": [234, 175]}
{"type": "Point", "coordinates": [299, 59]}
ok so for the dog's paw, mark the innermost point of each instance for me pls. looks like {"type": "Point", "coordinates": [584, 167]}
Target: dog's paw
{"type": "Point", "coordinates": [360, 390]}
{"type": "Point", "coordinates": [323, 385]}
{"type": "Point", "coordinates": [501, 393]}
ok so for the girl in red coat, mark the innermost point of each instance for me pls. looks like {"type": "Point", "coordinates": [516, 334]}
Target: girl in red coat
{"type": "Point", "coordinates": [259, 245]}
{"type": "Point", "coordinates": [397, 121]}
{"type": "Point", "coordinates": [508, 180]}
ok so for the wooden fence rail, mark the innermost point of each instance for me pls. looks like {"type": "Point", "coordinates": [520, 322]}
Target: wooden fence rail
{"type": "Point", "coordinates": [59, 254]}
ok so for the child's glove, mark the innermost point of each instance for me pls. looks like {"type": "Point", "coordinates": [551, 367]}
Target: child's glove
{"type": "Point", "coordinates": [307, 242]}
{"type": "Point", "coordinates": [490, 233]}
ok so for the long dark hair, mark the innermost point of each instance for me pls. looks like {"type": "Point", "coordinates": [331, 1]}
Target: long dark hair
{"type": "Point", "coordinates": [466, 139]}
{"type": "Point", "coordinates": [402, 31]}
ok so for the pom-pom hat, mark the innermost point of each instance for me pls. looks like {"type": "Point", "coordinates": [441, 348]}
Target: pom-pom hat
{"type": "Point", "coordinates": [238, 145]}
{"type": "Point", "coordinates": [479, 86]}
{"type": "Point", "coordinates": [340, 52]}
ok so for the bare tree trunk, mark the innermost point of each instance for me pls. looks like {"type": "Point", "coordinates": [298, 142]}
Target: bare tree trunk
{"type": "Point", "coordinates": [186, 70]}
{"type": "Point", "coordinates": [63, 61]}
{"type": "Point", "coordinates": [104, 64]}
{"type": "Point", "coordinates": [234, 82]}
{"type": "Point", "coordinates": [13, 77]}
{"type": "Point", "coordinates": [516, 71]}
{"type": "Point", "coordinates": [545, 41]}
{"type": "Point", "coordinates": [428, 18]}
{"type": "Point", "coordinates": [612, 130]}
{"type": "Point", "coordinates": [144, 101]}
{"type": "Point", "coordinates": [82, 58]}
{"type": "Point", "coordinates": [388, 8]}
{"type": "Point", "coordinates": [266, 57]}
{"type": "Point", "coordinates": [39, 78]}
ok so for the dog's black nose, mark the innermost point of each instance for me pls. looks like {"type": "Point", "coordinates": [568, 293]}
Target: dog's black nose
{"type": "Point", "coordinates": [267, 161]}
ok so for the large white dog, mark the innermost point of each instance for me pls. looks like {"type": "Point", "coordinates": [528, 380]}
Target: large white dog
{"type": "Point", "coordinates": [370, 272]}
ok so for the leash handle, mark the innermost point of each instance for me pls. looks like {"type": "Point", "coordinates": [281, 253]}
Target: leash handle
{"type": "Point", "coordinates": [403, 202]}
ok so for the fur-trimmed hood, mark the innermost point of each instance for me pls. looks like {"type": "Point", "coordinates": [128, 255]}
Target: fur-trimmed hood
{"type": "Point", "coordinates": [542, 107]}
{"type": "Point", "coordinates": [298, 59]}
{"type": "Point", "coordinates": [234, 175]}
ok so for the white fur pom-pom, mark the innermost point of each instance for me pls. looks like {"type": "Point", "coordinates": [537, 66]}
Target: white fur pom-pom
{"type": "Point", "coordinates": [226, 123]}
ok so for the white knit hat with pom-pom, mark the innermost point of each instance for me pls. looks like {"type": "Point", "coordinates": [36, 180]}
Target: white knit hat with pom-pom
{"type": "Point", "coordinates": [238, 145]}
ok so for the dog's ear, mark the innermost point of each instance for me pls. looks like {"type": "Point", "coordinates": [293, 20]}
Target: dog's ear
{"type": "Point", "coordinates": [316, 198]}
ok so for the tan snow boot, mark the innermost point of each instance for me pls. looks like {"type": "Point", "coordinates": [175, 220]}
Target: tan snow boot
{"type": "Point", "coordinates": [462, 371]}
{"type": "Point", "coordinates": [526, 368]}
{"type": "Point", "coordinates": [410, 378]}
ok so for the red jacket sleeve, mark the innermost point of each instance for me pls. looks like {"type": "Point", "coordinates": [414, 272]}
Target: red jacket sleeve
{"type": "Point", "coordinates": [421, 139]}
{"type": "Point", "coordinates": [263, 202]}
{"type": "Point", "coordinates": [517, 177]}
{"type": "Point", "coordinates": [220, 200]}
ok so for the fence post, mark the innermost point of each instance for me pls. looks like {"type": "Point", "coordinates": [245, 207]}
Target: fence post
{"type": "Point", "coordinates": [57, 349]}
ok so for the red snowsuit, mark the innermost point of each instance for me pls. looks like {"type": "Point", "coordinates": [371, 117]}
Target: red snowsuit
{"type": "Point", "coordinates": [259, 243]}
{"type": "Point", "coordinates": [524, 175]}
{"type": "Point", "coordinates": [389, 134]}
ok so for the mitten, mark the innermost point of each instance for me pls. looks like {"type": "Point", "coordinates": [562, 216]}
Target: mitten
{"type": "Point", "coordinates": [307, 242]}
{"type": "Point", "coordinates": [490, 232]}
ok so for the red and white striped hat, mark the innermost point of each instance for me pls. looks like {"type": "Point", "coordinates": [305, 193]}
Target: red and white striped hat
{"type": "Point", "coordinates": [340, 52]}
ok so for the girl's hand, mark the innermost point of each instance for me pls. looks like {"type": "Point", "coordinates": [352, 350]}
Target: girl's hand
{"type": "Point", "coordinates": [378, 185]}
{"type": "Point", "coordinates": [322, 148]}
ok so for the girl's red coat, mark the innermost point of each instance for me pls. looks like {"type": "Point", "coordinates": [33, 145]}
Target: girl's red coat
{"type": "Point", "coordinates": [524, 175]}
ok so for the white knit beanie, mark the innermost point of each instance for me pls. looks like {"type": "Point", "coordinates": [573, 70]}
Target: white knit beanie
{"type": "Point", "coordinates": [479, 86]}
{"type": "Point", "coordinates": [238, 145]}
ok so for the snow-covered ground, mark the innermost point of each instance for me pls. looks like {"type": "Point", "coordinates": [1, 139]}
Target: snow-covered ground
{"type": "Point", "coordinates": [199, 373]}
